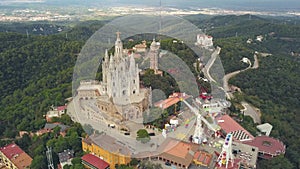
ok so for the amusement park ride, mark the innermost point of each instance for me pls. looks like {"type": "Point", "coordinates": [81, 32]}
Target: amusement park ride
{"type": "Point", "coordinates": [226, 155]}
{"type": "Point", "coordinates": [198, 136]}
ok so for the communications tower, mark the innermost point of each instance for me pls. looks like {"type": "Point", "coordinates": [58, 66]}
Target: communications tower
{"type": "Point", "coordinates": [49, 158]}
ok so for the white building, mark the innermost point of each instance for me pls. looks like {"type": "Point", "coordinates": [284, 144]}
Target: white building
{"type": "Point", "coordinates": [120, 76]}
{"type": "Point", "coordinates": [120, 73]}
{"type": "Point", "coordinates": [204, 41]}
{"type": "Point", "coordinates": [118, 94]}
{"type": "Point", "coordinates": [259, 38]}
{"type": "Point", "coordinates": [140, 47]}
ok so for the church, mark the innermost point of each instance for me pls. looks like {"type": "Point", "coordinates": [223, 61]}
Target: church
{"type": "Point", "coordinates": [119, 95]}
{"type": "Point", "coordinates": [120, 73]}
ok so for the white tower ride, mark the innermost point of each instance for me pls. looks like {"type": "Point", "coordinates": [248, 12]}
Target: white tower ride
{"type": "Point", "coordinates": [226, 155]}
{"type": "Point", "coordinates": [198, 134]}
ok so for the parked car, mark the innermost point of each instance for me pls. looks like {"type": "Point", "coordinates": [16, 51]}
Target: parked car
{"type": "Point", "coordinates": [168, 163]}
{"type": "Point", "coordinates": [151, 134]}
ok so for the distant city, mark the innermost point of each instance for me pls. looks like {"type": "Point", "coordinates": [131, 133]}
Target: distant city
{"type": "Point", "coordinates": [54, 10]}
{"type": "Point", "coordinates": [53, 13]}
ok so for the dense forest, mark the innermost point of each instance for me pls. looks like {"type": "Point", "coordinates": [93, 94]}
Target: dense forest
{"type": "Point", "coordinates": [274, 86]}
{"type": "Point", "coordinates": [36, 72]}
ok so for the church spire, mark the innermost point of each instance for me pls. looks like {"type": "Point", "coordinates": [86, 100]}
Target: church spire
{"type": "Point", "coordinates": [106, 58]}
{"type": "Point", "coordinates": [118, 46]}
{"type": "Point", "coordinates": [118, 35]}
{"type": "Point", "coordinates": [111, 62]}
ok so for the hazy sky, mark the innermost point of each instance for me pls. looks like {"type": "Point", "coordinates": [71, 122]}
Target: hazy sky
{"type": "Point", "coordinates": [234, 4]}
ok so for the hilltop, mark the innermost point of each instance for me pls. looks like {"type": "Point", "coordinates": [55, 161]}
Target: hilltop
{"type": "Point", "coordinates": [36, 71]}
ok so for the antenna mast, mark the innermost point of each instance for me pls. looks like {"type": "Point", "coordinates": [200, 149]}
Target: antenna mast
{"type": "Point", "coordinates": [49, 158]}
{"type": "Point", "coordinates": [27, 33]}
{"type": "Point", "coordinates": [160, 14]}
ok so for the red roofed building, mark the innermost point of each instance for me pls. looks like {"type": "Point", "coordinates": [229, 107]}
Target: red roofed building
{"type": "Point", "coordinates": [61, 109]}
{"type": "Point", "coordinates": [202, 158]}
{"type": "Point", "coordinates": [173, 99]}
{"type": "Point", "coordinates": [166, 103]}
{"type": "Point", "coordinates": [228, 125]}
{"type": "Point", "coordinates": [14, 157]}
{"type": "Point", "coordinates": [268, 147]}
{"type": "Point", "coordinates": [177, 152]}
{"type": "Point", "coordinates": [55, 112]}
{"type": "Point", "coordinates": [94, 162]}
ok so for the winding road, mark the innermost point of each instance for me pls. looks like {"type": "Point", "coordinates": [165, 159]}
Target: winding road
{"type": "Point", "coordinates": [248, 109]}
{"type": "Point", "coordinates": [226, 78]}
{"type": "Point", "coordinates": [210, 63]}
{"type": "Point", "coordinates": [251, 111]}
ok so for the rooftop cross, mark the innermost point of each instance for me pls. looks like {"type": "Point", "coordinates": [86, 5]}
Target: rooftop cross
{"type": "Point", "coordinates": [118, 34]}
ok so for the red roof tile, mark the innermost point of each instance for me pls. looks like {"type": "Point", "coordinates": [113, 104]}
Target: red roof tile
{"type": "Point", "coordinates": [230, 125]}
{"type": "Point", "coordinates": [173, 99]}
{"type": "Point", "coordinates": [203, 157]}
{"type": "Point", "coordinates": [177, 151]}
{"type": "Point", "coordinates": [16, 155]}
{"type": "Point", "coordinates": [60, 108]}
{"type": "Point", "coordinates": [166, 103]}
{"type": "Point", "coordinates": [11, 150]}
{"type": "Point", "coordinates": [95, 161]}
{"type": "Point", "coordinates": [268, 145]}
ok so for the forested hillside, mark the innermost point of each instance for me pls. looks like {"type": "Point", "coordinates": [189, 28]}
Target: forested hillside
{"type": "Point", "coordinates": [274, 86]}
{"type": "Point", "coordinates": [36, 72]}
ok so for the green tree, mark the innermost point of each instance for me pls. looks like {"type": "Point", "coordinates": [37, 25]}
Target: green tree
{"type": "Point", "coordinates": [67, 166]}
{"type": "Point", "coordinates": [143, 136]}
{"type": "Point", "coordinates": [39, 162]}
{"type": "Point", "coordinates": [24, 142]}
{"type": "Point", "coordinates": [278, 162]}
{"type": "Point", "coordinates": [123, 166]}
{"type": "Point", "coordinates": [77, 166]}
{"type": "Point", "coordinates": [149, 165]}
{"type": "Point", "coordinates": [76, 160]}
{"type": "Point", "coordinates": [134, 162]}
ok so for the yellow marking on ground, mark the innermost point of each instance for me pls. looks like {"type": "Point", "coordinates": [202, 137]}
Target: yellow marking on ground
{"type": "Point", "coordinates": [180, 136]}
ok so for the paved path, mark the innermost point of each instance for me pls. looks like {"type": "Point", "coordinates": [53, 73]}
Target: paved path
{"type": "Point", "coordinates": [210, 63]}
{"type": "Point", "coordinates": [78, 114]}
{"type": "Point", "coordinates": [256, 63]}
{"type": "Point", "coordinates": [232, 74]}
{"type": "Point", "coordinates": [250, 111]}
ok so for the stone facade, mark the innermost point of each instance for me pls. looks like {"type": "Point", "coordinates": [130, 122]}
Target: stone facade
{"type": "Point", "coordinates": [153, 55]}
{"type": "Point", "coordinates": [120, 73]}
{"type": "Point", "coordinates": [119, 96]}
{"type": "Point", "coordinates": [89, 89]}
